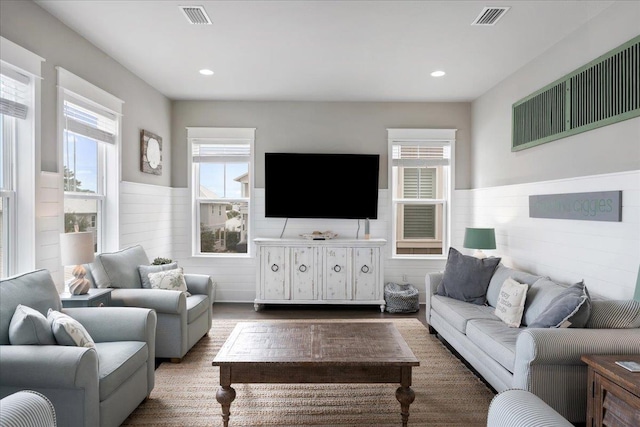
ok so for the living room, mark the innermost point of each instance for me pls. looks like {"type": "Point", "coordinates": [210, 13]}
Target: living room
{"type": "Point", "coordinates": [490, 183]}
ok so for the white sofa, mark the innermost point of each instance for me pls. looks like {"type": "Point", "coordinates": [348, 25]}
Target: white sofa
{"type": "Point", "coordinates": [544, 361]}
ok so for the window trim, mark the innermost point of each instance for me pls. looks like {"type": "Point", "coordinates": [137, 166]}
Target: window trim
{"type": "Point", "coordinates": [27, 153]}
{"type": "Point", "coordinates": [70, 86]}
{"type": "Point", "coordinates": [222, 134]}
{"type": "Point", "coordinates": [413, 137]}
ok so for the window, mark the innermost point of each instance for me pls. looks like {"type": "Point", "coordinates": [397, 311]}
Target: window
{"type": "Point", "coordinates": [420, 182]}
{"type": "Point", "coordinates": [19, 160]}
{"type": "Point", "coordinates": [222, 178]}
{"type": "Point", "coordinates": [89, 132]}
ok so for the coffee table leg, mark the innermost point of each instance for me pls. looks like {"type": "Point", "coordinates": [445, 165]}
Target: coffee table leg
{"type": "Point", "coordinates": [405, 395]}
{"type": "Point", "coordinates": [225, 393]}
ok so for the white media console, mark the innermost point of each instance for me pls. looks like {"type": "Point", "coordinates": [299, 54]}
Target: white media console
{"type": "Point", "coordinates": [336, 271]}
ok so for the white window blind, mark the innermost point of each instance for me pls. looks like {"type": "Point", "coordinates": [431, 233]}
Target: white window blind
{"type": "Point", "coordinates": [223, 152]}
{"type": "Point", "coordinates": [14, 93]}
{"type": "Point", "coordinates": [421, 155]}
{"type": "Point", "coordinates": [88, 120]}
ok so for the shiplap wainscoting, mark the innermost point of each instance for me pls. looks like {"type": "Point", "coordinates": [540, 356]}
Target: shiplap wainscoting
{"type": "Point", "coordinates": [49, 223]}
{"type": "Point", "coordinates": [605, 254]}
{"type": "Point", "coordinates": [146, 218]}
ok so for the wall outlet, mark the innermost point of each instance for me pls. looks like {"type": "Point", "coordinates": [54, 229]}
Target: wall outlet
{"type": "Point", "coordinates": [404, 278]}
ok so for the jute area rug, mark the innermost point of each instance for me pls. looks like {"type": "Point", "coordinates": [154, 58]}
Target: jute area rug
{"type": "Point", "coordinates": [447, 393]}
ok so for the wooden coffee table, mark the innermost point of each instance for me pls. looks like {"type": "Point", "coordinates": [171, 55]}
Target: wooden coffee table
{"type": "Point", "coordinates": [264, 352]}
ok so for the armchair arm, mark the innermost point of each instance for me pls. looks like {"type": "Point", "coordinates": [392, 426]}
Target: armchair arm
{"type": "Point", "coordinates": [49, 366]}
{"type": "Point", "coordinates": [106, 324]}
{"type": "Point", "coordinates": [161, 300]}
{"type": "Point", "coordinates": [200, 284]}
{"type": "Point", "coordinates": [519, 408]}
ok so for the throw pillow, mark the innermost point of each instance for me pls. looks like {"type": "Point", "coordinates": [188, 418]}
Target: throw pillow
{"type": "Point", "coordinates": [170, 280]}
{"type": "Point", "coordinates": [511, 302]}
{"type": "Point", "coordinates": [571, 308]}
{"type": "Point", "coordinates": [29, 327]}
{"type": "Point", "coordinates": [145, 270]}
{"type": "Point", "coordinates": [466, 278]}
{"type": "Point", "coordinates": [68, 331]}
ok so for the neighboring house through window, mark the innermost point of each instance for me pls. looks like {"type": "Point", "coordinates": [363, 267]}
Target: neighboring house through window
{"type": "Point", "coordinates": [89, 134]}
{"type": "Point", "coordinates": [222, 170]}
{"type": "Point", "coordinates": [19, 112]}
{"type": "Point", "coordinates": [420, 183]}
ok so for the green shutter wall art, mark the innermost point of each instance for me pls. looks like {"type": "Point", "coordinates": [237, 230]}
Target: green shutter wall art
{"type": "Point", "coordinates": [600, 93]}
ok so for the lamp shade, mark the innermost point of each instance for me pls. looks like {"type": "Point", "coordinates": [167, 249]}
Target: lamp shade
{"type": "Point", "coordinates": [479, 238]}
{"type": "Point", "coordinates": [76, 248]}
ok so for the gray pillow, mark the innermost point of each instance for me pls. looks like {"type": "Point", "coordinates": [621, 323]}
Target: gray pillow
{"type": "Point", "coordinates": [30, 327]}
{"type": "Point", "coordinates": [466, 278]}
{"type": "Point", "coordinates": [571, 308]}
{"type": "Point", "coordinates": [145, 270]}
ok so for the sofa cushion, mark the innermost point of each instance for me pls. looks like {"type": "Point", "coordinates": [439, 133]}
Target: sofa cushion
{"type": "Point", "coordinates": [117, 361]}
{"type": "Point", "coordinates": [511, 302]}
{"type": "Point", "coordinates": [68, 331]}
{"type": "Point", "coordinates": [119, 269]}
{"type": "Point", "coordinates": [501, 274]}
{"type": "Point", "coordinates": [145, 270]}
{"type": "Point", "coordinates": [496, 339]}
{"type": "Point", "coordinates": [569, 309]}
{"type": "Point", "coordinates": [614, 314]}
{"type": "Point", "coordinates": [466, 278]}
{"type": "Point", "coordinates": [30, 327]}
{"type": "Point", "coordinates": [196, 305]}
{"type": "Point", "coordinates": [458, 313]}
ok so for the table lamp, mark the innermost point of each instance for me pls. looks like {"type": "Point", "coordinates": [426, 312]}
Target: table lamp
{"type": "Point", "coordinates": [77, 248]}
{"type": "Point", "coordinates": [478, 239]}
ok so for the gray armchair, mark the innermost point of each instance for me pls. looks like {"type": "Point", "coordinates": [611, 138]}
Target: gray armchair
{"type": "Point", "coordinates": [97, 386]}
{"type": "Point", "coordinates": [182, 320]}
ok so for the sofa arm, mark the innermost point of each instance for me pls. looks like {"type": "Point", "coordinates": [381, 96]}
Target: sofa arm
{"type": "Point", "coordinates": [565, 346]}
{"type": "Point", "coordinates": [200, 284]}
{"type": "Point", "coordinates": [107, 324]}
{"type": "Point", "coordinates": [49, 366]}
{"type": "Point", "coordinates": [161, 300]}
{"type": "Point", "coordinates": [519, 408]}
{"type": "Point", "coordinates": [431, 282]}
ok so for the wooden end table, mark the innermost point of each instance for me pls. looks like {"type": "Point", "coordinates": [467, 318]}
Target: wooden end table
{"type": "Point", "coordinates": [284, 353]}
{"type": "Point", "coordinates": [613, 392]}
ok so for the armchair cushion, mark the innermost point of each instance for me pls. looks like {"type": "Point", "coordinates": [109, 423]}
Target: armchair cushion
{"type": "Point", "coordinates": [30, 327]}
{"type": "Point", "coordinates": [119, 269]}
{"type": "Point", "coordinates": [68, 331]}
{"type": "Point", "coordinates": [117, 362]}
{"type": "Point", "coordinates": [145, 270]}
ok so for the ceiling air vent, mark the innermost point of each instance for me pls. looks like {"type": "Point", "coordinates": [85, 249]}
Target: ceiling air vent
{"type": "Point", "coordinates": [490, 15]}
{"type": "Point", "coordinates": [196, 15]}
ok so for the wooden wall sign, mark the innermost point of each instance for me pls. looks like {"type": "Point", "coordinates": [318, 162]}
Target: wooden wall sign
{"type": "Point", "coordinates": [150, 153]}
{"type": "Point", "coordinates": [595, 206]}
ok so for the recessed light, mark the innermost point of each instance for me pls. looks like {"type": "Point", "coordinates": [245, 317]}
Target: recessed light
{"type": "Point", "coordinates": [438, 73]}
{"type": "Point", "coordinates": [206, 72]}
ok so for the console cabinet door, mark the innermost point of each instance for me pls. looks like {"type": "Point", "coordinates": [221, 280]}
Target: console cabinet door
{"type": "Point", "coordinates": [365, 272]}
{"type": "Point", "coordinates": [303, 274]}
{"type": "Point", "coordinates": [274, 273]}
{"type": "Point", "coordinates": [336, 274]}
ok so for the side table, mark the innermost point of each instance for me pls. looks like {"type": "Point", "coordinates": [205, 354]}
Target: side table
{"type": "Point", "coordinates": [94, 298]}
{"type": "Point", "coordinates": [613, 392]}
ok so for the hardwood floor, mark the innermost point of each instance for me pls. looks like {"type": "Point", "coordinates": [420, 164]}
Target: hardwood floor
{"type": "Point", "coordinates": [245, 311]}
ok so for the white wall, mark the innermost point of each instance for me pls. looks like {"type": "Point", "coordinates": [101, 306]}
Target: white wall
{"type": "Point", "coordinates": [604, 254]}
{"type": "Point", "coordinates": [49, 220]}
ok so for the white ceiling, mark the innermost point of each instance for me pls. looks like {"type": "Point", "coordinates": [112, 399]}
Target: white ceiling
{"type": "Point", "coordinates": [323, 50]}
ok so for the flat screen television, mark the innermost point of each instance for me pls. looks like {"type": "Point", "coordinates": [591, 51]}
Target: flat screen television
{"type": "Point", "coordinates": [301, 185]}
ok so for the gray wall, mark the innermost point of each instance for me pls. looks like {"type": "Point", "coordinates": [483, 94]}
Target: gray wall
{"type": "Point", "coordinates": [613, 148]}
{"type": "Point", "coordinates": [336, 127]}
{"type": "Point", "coordinates": [28, 25]}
